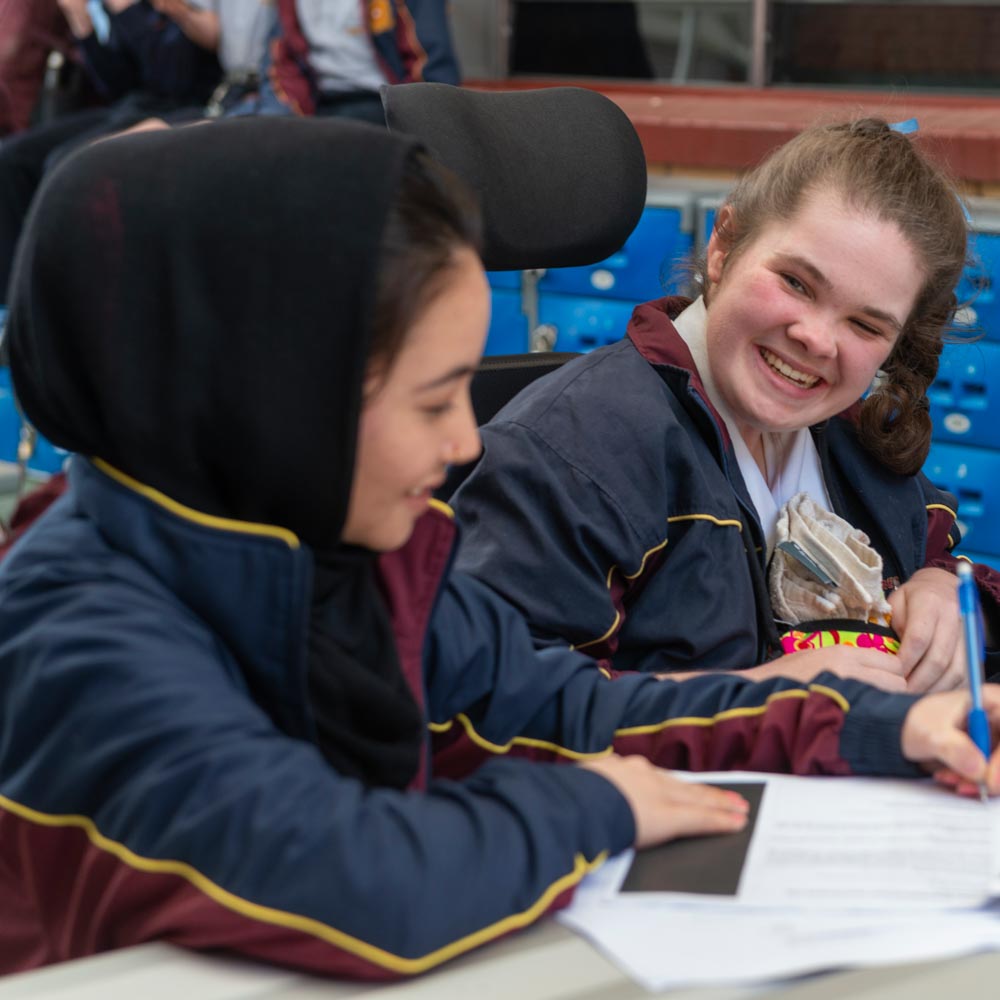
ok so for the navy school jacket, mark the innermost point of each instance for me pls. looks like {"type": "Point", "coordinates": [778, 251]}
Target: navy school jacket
{"type": "Point", "coordinates": [159, 777]}
{"type": "Point", "coordinates": [609, 508]}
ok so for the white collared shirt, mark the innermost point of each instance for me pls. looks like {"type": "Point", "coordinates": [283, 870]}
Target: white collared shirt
{"type": "Point", "coordinates": [791, 457]}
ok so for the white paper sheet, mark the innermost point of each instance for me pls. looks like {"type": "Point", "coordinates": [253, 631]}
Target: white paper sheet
{"type": "Point", "coordinates": [831, 842]}
{"type": "Point", "coordinates": [840, 872]}
{"type": "Point", "coordinates": [664, 944]}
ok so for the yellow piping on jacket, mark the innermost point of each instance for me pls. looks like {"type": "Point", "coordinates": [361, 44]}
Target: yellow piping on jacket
{"type": "Point", "coordinates": [308, 925]}
{"type": "Point", "coordinates": [643, 730]}
{"type": "Point", "coordinates": [196, 516]}
{"type": "Point", "coordinates": [722, 523]}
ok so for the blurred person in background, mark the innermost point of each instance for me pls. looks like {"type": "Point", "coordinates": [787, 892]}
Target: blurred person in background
{"type": "Point", "coordinates": [31, 30]}
{"type": "Point", "coordinates": [142, 61]}
{"type": "Point", "coordinates": [330, 57]}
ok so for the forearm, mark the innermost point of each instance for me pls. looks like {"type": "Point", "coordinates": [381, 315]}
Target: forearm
{"type": "Point", "coordinates": [78, 19]}
{"type": "Point", "coordinates": [491, 693]}
{"type": "Point", "coordinates": [200, 26]}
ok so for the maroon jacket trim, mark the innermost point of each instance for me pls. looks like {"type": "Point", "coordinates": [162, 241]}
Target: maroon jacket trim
{"type": "Point", "coordinates": [799, 727]}
{"type": "Point", "coordinates": [409, 579]}
{"type": "Point", "coordinates": [412, 53]}
{"type": "Point", "coordinates": [289, 54]}
{"type": "Point", "coordinates": [796, 727]}
{"type": "Point", "coordinates": [172, 901]}
{"type": "Point", "coordinates": [149, 900]}
{"type": "Point", "coordinates": [655, 337]}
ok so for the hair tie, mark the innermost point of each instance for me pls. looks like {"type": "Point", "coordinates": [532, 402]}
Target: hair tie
{"type": "Point", "coordinates": [907, 127]}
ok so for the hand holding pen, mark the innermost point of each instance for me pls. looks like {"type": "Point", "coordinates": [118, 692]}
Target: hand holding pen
{"type": "Point", "coordinates": [972, 630]}
{"type": "Point", "coordinates": [942, 732]}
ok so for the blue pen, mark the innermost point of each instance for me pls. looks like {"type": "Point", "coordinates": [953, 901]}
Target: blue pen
{"type": "Point", "coordinates": [968, 603]}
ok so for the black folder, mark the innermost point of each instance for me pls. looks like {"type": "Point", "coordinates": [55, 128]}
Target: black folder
{"type": "Point", "coordinates": [709, 865]}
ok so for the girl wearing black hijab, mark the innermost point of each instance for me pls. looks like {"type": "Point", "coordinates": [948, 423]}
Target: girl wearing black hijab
{"type": "Point", "coordinates": [239, 683]}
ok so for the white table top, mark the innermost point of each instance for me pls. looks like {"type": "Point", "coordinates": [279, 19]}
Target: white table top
{"type": "Point", "coordinates": [546, 962]}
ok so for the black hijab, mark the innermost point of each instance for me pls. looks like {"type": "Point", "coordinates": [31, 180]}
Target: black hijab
{"type": "Point", "coordinates": [194, 307]}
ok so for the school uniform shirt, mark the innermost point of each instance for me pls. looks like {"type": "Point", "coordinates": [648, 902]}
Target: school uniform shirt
{"type": "Point", "coordinates": [790, 457]}
{"type": "Point", "coordinates": [244, 27]}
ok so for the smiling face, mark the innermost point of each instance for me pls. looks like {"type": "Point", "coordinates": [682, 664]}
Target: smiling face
{"type": "Point", "coordinates": [803, 317]}
{"type": "Point", "coordinates": [417, 418]}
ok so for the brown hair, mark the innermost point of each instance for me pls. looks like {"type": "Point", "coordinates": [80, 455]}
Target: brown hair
{"type": "Point", "coordinates": [880, 171]}
{"type": "Point", "coordinates": [434, 215]}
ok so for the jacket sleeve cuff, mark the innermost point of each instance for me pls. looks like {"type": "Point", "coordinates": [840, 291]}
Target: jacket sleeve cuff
{"type": "Point", "coordinates": [604, 800]}
{"type": "Point", "coordinates": [871, 740]}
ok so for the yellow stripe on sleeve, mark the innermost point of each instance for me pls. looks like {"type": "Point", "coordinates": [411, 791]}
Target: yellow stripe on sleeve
{"type": "Point", "coordinates": [643, 730]}
{"type": "Point", "coordinates": [308, 925]}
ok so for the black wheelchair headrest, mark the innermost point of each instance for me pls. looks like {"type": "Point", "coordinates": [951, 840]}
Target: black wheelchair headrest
{"type": "Point", "coordinates": [560, 171]}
